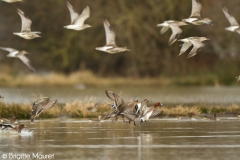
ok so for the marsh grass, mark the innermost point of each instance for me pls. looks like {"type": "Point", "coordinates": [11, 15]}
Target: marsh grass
{"type": "Point", "coordinates": [23, 111]}
{"type": "Point", "coordinates": [88, 78]}
{"type": "Point", "coordinates": [90, 109]}
{"type": "Point", "coordinates": [180, 110]}
{"type": "Point", "coordinates": [81, 109]}
{"type": "Point", "coordinates": [19, 110]}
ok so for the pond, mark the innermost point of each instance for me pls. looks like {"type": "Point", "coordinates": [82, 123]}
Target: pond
{"type": "Point", "coordinates": [170, 138]}
{"type": "Point", "coordinates": [166, 95]}
{"type": "Point", "coordinates": [164, 138]}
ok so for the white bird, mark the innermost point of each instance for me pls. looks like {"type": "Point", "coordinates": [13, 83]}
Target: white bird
{"type": "Point", "coordinates": [77, 21]}
{"type": "Point", "coordinates": [232, 20]}
{"type": "Point", "coordinates": [110, 46]}
{"type": "Point", "coordinates": [176, 30]}
{"type": "Point", "coordinates": [150, 112]}
{"type": "Point", "coordinates": [26, 32]}
{"type": "Point", "coordinates": [195, 17]}
{"type": "Point", "coordinates": [196, 42]}
{"type": "Point", "coordinates": [12, 1]}
{"type": "Point", "coordinates": [19, 54]}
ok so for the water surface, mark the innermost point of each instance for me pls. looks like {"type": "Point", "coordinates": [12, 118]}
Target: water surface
{"type": "Point", "coordinates": [173, 139]}
{"type": "Point", "coordinates": [166, 95]}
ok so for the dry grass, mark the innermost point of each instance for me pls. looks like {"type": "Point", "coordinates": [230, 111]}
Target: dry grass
{"type": "Point", "coordinates": [19, 110]}
{"type": "Point", "coordinates": [23, 111]}
{"type": "Point", "coordinates": [88, 78]}
{"type": "Point", "coordinates": [180, 110]}
{"type": "Point", "coordinates": [85, 109]}
{"type": "Point", "coordinates": [89, 109]}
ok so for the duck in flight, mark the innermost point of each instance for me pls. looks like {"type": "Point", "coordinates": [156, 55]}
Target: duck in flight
{"type": "Point", "coordinates": [110, 46]}
{"type": "Point", "coordinates": [196, 42]}
{"type": "Point", "coordinates": [232, 20]}
{"type": "Point", "coordinates": [19, 54]}
{"type": "Point", "coordinates": [40, 106]}
{"type": "Point", "coordinates": [195, 17]}
{"type": "Point", "coordinates": [176, 30]}
{"type": "Point", "coordinates": [26, 32]}
{"type": "Point", "coordinates": [77, 21]}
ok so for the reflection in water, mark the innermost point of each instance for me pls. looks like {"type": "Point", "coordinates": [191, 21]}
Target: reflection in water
{"type": "Point", "coordinates": [165, 139]}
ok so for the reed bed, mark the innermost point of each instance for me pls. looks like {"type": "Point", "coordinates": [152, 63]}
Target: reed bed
{"type": "Point", "coordinates": [88, 78]}
{"type": "Point", "coordinates": [81, 109]}
{"type": "Point", "coordinates": [180, 110]}
{"type": "Point", "coordinates": [90, 109]}
{"type": "Point", "coordinates": [23, 111]}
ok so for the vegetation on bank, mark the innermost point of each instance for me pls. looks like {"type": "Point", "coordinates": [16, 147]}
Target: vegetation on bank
{"type": "Point", "coordinates": [88, 78]}
{"type": "Point", "coordinates": [90, 109]}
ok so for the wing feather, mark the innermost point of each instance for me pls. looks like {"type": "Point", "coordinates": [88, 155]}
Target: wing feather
{"type": "Point", "coordinates": [232, 20]}
{"type": "Point", "coordinates": [8, 49]}
{"type": "Point", "coordinates": [26, 22]}
{"type": "Point", "coordinates": [85, 14]}
{"type": "Point", "coordinates": [74, 15]}
{"type": "Point", "coordinates": [26, 61]}
{"type": "Point", "coordinates": [196, 9]}
{"type": "Point", "coordinates": [176, 32]}
{"type": "Point", "coordinates": [197, 47]}
{"type": "Point", "coordinates": [185, 47]}
{"type": "Point", "coordinates": [110, 35]}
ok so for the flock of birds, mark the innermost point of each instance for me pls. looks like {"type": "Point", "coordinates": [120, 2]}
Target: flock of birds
{"type": "Point", "coordinates": [77, 23]}
{"type": "Point", "coordinates": [130, 110]}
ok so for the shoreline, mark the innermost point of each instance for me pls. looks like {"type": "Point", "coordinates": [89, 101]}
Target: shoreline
{"type": "Point", "coordinates": [80, 109]}
{"type": "Point", "coordinates": [81, 78]}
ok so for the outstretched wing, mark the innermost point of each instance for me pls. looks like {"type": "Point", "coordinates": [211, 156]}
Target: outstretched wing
{"type": "Point", "coordinates": [119, 99]}
{"type": "Point", "coordinates": [144, 108]}
{"type": "Point", "coordinates": [196, 9]}
{"type": "Point", "coordinates": [164, 29]}
{"type": "Point", "coordinates": [110, 95]}
{"type": "Point", "coordinates": [197, 47]}
{"type": "Point", "coordinates": [185, 46]}
{"type": "Point", "coordinates": [230, 18]}
{"type": "Point", "coordinates": [110, 35]}
{"type": "Point", "coordinates": [26, 61]}
{"type": "Point", "coordinates": [74, 15]}
{"type": "Point", "coordinates": [176, 32]}
{"type": "Point", "coordinates": [156, 112]}
{"type": "Point", "coordinates": [45, 105]}
{"type": "Point", "coordinates": [26, 22]}
{"type": "Point", "coordinates": [8, 49]}
{"type": "Point", "coordinates": [85, 14]}
{"type": "Point", "coordinates": [40, 106]}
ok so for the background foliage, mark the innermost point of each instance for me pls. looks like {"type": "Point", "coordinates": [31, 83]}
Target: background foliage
{"type": "Point", "coordinates": [134, 23]}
